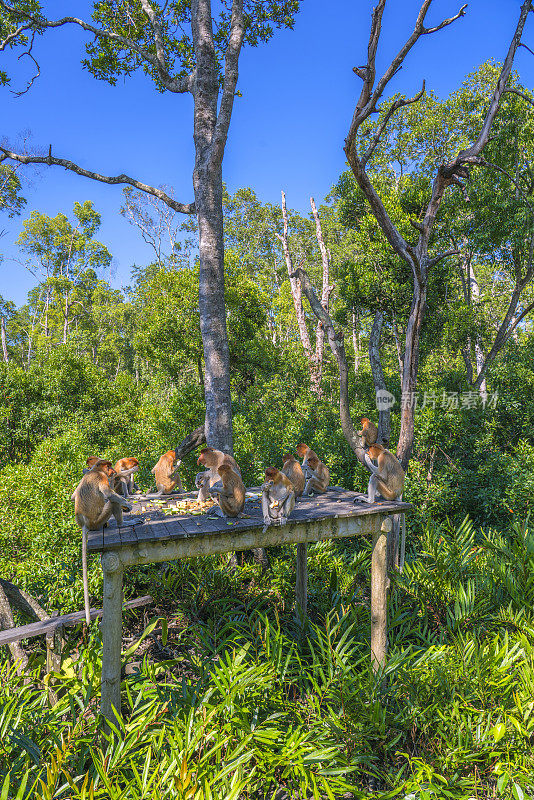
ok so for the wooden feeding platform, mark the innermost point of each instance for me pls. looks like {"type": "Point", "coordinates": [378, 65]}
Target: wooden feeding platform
{"type": "Point", "coordinates": [156, 530]}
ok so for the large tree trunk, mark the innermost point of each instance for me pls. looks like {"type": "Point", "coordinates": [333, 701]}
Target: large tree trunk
{"type": "Point", "coordinates": [208, 202]}
{"type": "Point", "coordinates": [207, 184]}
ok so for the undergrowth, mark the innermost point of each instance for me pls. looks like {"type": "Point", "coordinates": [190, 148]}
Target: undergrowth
{"type": "Point", "coordinates": [226, 697]}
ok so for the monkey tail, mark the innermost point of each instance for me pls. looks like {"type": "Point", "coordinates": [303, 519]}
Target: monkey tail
{"type": "Point", "coordinates": [84, 575]}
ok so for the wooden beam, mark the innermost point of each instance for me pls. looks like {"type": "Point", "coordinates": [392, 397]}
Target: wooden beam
{"type": "Point", "coordinates": [49, 625]}
{"type": "Point", "coordinates": [205, 544]}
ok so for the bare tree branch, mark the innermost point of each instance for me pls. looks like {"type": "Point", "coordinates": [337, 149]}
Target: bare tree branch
{"type": "Point", "coordinates": [461, 13]}
{"type": "Point", "coordinates": [182, 208]}
{"type": "Point", "coordinates": [520, 94]}
{"type": "Point", "coordinates": [400, 102]}
{"type": "Point", "coordinates": [441, 256]}
{"type": "Point", "coordinates": [294, 283]}
{"type": "Point", "coordinates": [522, 44]}
{"type": "Point", "coordinates": [337, 346]}
{"type": "Point", "coordinates": [483, 163]}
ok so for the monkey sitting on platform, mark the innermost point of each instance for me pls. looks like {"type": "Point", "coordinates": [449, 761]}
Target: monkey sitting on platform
{"type": "Point", "coordinates": [387, 477]}
{"type": "Point", "coordinates": [230, 490]}
{"type": "Point", "coordinates": [278, 498]}
{"type": "Point", "coordinates": [293, 471]}
{"type": "Point", "coordinates": [212, 459]}
{"type": "Point", "coordinates": [166, 474]}
{"type": "Point", "coordinates": [94, 503]}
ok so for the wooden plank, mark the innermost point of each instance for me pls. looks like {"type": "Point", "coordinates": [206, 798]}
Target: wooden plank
{"type": "Point", "coordinates": [154, 525]}
{"type": "Point", "coordinates": [47, 626]}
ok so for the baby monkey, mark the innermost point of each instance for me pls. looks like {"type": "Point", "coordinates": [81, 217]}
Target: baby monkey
{"type": "Point", "coordinates": [368, 433]}
{"type": "Point", "coordinates": [278, 498]}
{"type": "Point", "coordinates": [94, 503]}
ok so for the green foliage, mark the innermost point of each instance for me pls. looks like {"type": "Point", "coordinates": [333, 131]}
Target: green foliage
{"type": "Point", "coordinates": [108, 59]}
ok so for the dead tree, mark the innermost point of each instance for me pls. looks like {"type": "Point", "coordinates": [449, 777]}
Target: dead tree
{"type": "Point", "coordinates": [294, 284]}
{"type": "Point", "coordinates": [11, 595]}
{"type": "Point", "coordinates": [4, 344]}
{"type": "Point", "coordinates": [337, 345]}
{"type": "Point", "coordinates": [452, 174]}
{"type": "Point", "coordinates": [314, 359]}
{"type": "Point", "coordinates": [325, 300]}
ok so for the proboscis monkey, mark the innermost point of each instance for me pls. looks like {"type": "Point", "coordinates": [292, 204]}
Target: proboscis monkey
{"type": "Point", "coordinates": [387, 477]}
{"type": "Point", "coordinates": [166, 475]}
{"type": "Point", "coordinates": [318, 476]}
{"type": "Point", "coordinates": [124, 482]}
{"type": "Point", "coordinates": [278, 498]}
{"type": "Point", "coordinates": [212, 459]}
{"type": "Point", "coordinates": [94, 503]}
{"type": "Point", "coordinates": [368, 433]}
{"type": "Point", "coordinates": [293, 471]}
{"type": "Point", "coordinates": [122, 476]}
{"type": "Point", "coordinates": [230, 490]}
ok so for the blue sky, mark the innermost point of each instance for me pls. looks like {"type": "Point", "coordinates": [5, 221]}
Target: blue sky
{"type": "Point", "coordinates": [287, 130]}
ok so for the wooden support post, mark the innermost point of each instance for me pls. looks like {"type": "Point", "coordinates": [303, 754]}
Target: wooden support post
{"type": "Point", "coordinates": [111, 637]}
{"type": "Point", "coordinates": [379, 582]}
{"type": "Point", "coordinates": [301, 587]}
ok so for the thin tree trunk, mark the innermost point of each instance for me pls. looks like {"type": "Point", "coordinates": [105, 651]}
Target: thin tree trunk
{"type": "Point", "coordinates": [398, 346]}
{"type": "Point", "coordinates": [325, 299]}
{"type": "Point", "coordinates": [296, 291]}
{"type": "Point", "coordinates": [66, 320]}
{"type": "Point", "coordinates": [474, 294]}
{"type": "Point", "coordinates": [384, 414]}
{"type": "Point", "coordinates": [355, 319]}
{"type": "Point", "coordinates": [47, 306]}
{"type": "Point", "coordinates": [4, 345]}
{"type": "Point", "coordinates": [23, 601]}
{"type": "Point", "coordinates": [410, 367]}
